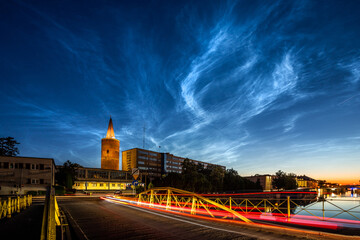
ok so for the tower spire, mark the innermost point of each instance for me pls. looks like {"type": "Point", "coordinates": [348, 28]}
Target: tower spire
{"type": "Point", "coordinates": [110, 132]}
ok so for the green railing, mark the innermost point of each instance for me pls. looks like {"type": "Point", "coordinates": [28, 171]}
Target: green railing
{"type": "Point", "coordinates": [14, 204]}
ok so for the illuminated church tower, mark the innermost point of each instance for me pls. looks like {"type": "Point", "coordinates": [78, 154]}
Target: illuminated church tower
{"type": "Point", "coordinates": [110, 149]}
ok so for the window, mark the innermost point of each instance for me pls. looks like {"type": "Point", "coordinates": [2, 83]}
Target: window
{"type": "Point", "coordinates": [28, 181]}
{"type": "Point", "coordinates": [113, 184]}
{"type": "Point", "coordinates": [97, 174]}
{"type": "Point", "coordinates": [41, 181]}
{"type": "Point", "coordinates": [33, 166]}
{"type": "Point", "coordinates": [119, 184]}
{"type": "Point", "coordinates": [27, 165]}
{"type": "Point", "coordinates": [101, 184]}
{"type": "Point", "coordinates": [94, 184]}
{"type": "Point", "coordinates": [107, 151]}
{"type": "Point", "coordinates": [33, 181]}
{"type": "Point", "coordinates": [11, 165]}
{"type": "Point", "coordinates": [117, 175]}
{"type": "Point", "coordinates": [6, 165]}
{"type": "Point", "coordinates": [41, 166]}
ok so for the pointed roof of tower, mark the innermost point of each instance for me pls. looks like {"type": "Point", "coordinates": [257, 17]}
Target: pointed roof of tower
{"type": "Point", "coordinates": [110, 132]}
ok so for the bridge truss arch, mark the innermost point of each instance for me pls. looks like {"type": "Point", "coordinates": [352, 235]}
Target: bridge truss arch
{"type": "Point", "coordinates": [173, 199]}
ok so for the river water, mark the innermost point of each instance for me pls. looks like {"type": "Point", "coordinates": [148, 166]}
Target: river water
{"type": "Point", "coordinates": [342, 206]}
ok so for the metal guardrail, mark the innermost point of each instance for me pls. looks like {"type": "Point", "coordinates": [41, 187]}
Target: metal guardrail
{"type": "Point", "coordinates": [51, 217]}
{"type": "Point", "coordinates": [195, 204]}
{"type": "Point", "coordinates": [12, 205]}
{"type": "Point", "coordinates": [290, 206]}
{"type": "Point", "coordinates": [286, 205]}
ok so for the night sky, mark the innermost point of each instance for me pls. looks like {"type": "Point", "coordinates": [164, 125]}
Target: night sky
{"type": "Point", "coordinates": [256, 86]}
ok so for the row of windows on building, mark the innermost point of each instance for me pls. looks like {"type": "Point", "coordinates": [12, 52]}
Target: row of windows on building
{"type": "Point", "coordinates": [101, 174]}
{"type": "Point", "coordinates": [174, 163]}
{"type": "Point", "coordinates": [100, 184]}
{"type": "Point", "coordinates": [148, 158]}
{"type": "Point", "coordinates": [32, 166]}
{"type": "Point", "coordinates": [33, 181]}
{"type": "Point", "coordinates": [146, 153]}
{"type": "Point", "coordinates": [149, 163]}
{"type": "Point", "coordinates": [173, 167]}
{"type": "Point", "coordinates": [149, 168]}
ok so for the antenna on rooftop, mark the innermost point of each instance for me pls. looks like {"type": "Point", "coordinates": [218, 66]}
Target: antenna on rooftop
{"type": "Point", "coordinates": [144, 137]}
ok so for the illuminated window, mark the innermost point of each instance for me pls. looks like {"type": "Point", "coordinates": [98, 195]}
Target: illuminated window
{"type": "Point", "coordinates": [94, 184]}
{"type": "Point", "coordinates": [113, 184]}
{"type": "Point", "coordinates": [101, 184]}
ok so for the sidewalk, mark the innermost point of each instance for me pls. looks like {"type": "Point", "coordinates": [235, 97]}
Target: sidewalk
{"type": "Point", "coordinates": [23, 225]}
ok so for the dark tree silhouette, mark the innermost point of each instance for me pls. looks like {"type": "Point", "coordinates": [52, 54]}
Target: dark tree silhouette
{"type": "Point", "coordinates": [66, 174]}
{"type": "Point", "coordinates": [285, 181]}
{"type": "Point", "coordinates": [8, 147]}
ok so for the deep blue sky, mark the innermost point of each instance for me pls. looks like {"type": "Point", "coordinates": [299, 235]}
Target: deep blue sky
{"type": "Point", "coordinates": [256, 86]}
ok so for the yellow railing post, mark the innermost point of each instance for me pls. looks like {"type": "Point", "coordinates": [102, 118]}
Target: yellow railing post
{"type": "Point", "coordinates": [265, 206]}
{"type": "Point", "coordinates": [18, 204]}
{"type": "Point", "coordinates": [23, 202]}
{"type": "Point", "coordinates": [230, 202]}
{"type": "Point", "coordinates": [168, 200]}
{"type": "Point", "coordinates": [288, 207]}
{"type": "Point", "coordinates": [139, 200]}
{"type": "Point", "coordinates": [151, 198]}
{"type": "Point", "coordinates": [9, 208]}
{"type": "Point", "coordinates": [193, 206]}
{"type": "Point", "coordinates": [246, 206]}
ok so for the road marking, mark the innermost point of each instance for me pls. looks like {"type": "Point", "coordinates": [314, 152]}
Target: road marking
{"type": "Point", "coordinates": [186, 221]}
{"type": "Point", "coordinates": [77, 225]}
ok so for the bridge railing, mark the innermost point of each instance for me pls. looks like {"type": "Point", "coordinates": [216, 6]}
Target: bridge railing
{"type": "Point", "coordinates": [287, 206]}
{"type": "Point", "coordinates": [51, 216]}
{"type": "Point", "coordinates": [14, 205]}
{"type": "Point", "coordinates": [283, 205]}
{"type": "Point", "coordinates": [187, 202]}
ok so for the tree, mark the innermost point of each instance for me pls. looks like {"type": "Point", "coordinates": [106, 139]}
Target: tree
{"type": "Point", "coordinates": [216, 178]}
{"type": "Point", "coordinates": [67, 174]}
{"type": "Point", "coordinates": [8, 147]}
{"type": "Point", "coordinates": [284, 181]}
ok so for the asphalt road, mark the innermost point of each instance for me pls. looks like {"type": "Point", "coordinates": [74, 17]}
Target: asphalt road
{"type": "Point", "coordinates": [93, 218]}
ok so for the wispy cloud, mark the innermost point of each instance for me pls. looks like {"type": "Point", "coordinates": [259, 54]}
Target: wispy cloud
{"type": "Point", "coordinates": [233, 83]}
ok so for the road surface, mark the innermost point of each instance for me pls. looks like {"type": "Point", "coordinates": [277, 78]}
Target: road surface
{"type": "Point", "coordinates": [93, 218]}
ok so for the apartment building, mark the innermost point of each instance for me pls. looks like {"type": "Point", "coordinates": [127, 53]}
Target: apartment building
{"type": "Point", "coordinates": [155, 164]}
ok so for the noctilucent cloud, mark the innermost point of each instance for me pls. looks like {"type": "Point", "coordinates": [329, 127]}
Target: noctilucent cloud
{"type": "Point", "coordinates": [256, 86]}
